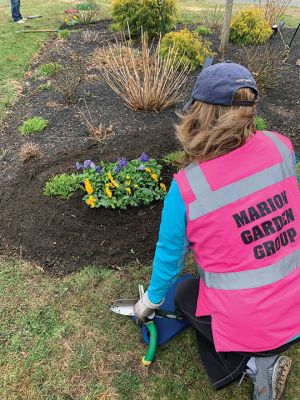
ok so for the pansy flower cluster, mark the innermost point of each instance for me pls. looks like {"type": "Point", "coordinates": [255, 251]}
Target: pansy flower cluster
{"type": "Point", "coordinates": [122, 184]}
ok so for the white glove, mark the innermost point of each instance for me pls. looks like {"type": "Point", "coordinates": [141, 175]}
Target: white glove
{"type": "Point", "coordinates": [144, 307]}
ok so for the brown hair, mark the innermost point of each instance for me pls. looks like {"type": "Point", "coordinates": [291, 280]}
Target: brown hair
{"type": "Point", "coordinates": [208, 131]}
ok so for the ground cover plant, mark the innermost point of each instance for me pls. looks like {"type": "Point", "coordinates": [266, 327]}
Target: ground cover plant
{"type": "Point", "coordinates": [63, 185]}
{"type": "Point", "coordinates": [186, 47]}
{"type": "Point", "coordinates": [50, 69]}
{"type": "Point", "coordinates": [33, 125]}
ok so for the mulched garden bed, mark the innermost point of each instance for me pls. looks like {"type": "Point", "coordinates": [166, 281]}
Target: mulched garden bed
{"type": "Point", "coordinates": [65, 236]}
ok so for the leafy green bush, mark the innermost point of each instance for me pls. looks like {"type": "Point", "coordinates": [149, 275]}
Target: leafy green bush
{"type": "Point", "coordinates": [122, 184]}
{"type": "Point", "coordinates": [64, 34]}
{"type": "Point", "coordinates": [173, 157]}
{"type": "Point", "coordinates": [250, 27]}
{"type": "Point", "coordinates": [50, 69]}
{"type": "Point", "coordinates": [188, 47]}
{"type": "Point", "coordinates": [33, 125]}
{"type": "Point", "coordinates": [63, 185]}
{"type": "Point", "coordinates": [152, 16]}
{"type": "Point", "coordinates": [260, 124]}
{"type": "Point", "coordinates": [203, 30]}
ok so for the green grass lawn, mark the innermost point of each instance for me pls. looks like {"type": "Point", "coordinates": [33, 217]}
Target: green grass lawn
{"type": "Point", "coordinates": [58, 339]}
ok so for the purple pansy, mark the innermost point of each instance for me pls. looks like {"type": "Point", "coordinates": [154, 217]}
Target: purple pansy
{"type": "Point", "coordinates": [89, 164]}
{"type": "Point", "coordinates": [99, 169]}
{"type": "Point", "coordinates": [144, 157]}
{"type": "Point", "coordinates": [123, 162]}
{"type": "Point", "coordinates": [117, 169]}
{"type": "Point", "coordinates": [141, 167]}
{"type": "Point", "coordinates": [79, 166]}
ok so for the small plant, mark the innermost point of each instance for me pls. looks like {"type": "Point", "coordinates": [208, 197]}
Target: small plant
{"type": "Point", "coordinates": [186, 47]}
{"type": "Point", "coordinates": [50, 69]}
{"type": "Point", "coordinates": [89, 36]}
{"type": "Point", "coordinates": [98, 131]}
{"type": "Point", "coordinates": [271, 65]}
{"type": "Point", "coordinates": [203, 30]}
{"type": "Point", "coordinates": [63, 185]}
{"type": "Point", "coordinates": [173, 158]}
{"type": "Point", "coordinates": [44, 86]}
{"type": "Point", "coordinates": [151, 16]}
{"type": "Point", "coordinates": [64, 34]}
{"type": "Point", "coordinates": [87, 6]}
{"type": "Point", "coordinates": [260, 124]}
{"type": "Point", "coordinates": [143, 79]}
{"type": "Point", "coordinates": [122, 184]}
{"type": "Point", "coordinates": [70, 76]}
{"type": "Point", "coordinates": [250, 27]}
{"type": "Point", "coordinates": [33, 125]}
{"type": "Point", "coordinates": [29, 151]}
{"type": "Point", "coordinates": [87, 13]}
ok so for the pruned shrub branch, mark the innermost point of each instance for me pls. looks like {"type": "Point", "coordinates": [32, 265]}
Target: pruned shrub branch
{"type": "Point", "coordinates": [143, 79]}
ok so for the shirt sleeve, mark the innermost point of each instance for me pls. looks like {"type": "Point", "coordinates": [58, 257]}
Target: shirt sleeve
{"type": "Point", "coordinates": [171, 247]}
{"type": "Point", "coordinates": [295, 164]}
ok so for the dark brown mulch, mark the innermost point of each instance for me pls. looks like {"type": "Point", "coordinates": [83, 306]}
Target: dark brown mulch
{"type": "Point", "coordinates": [65, 236]}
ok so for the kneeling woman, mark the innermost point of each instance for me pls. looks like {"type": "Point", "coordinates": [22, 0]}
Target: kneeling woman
{"type": "Point", "coordinates": [235, 203]}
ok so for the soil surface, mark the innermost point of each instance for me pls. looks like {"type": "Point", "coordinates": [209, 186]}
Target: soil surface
{"type": "Point", "coordinates": [65, 236]}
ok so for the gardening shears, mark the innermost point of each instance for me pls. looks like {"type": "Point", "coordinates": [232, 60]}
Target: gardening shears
{"type": "Point", "coordinates": [126, 307]}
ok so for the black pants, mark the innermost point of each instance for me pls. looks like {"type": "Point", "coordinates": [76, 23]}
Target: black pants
{"type": "Point", "coordinates": [222, 368]}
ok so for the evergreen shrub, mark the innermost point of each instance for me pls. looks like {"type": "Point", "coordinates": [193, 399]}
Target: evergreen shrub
{"type": "Point", "coordinates": [250, 27]}
{"type": "Point", "coordinates": [188, 46]}
{"type": "Point", "coordinates": [151, 16]}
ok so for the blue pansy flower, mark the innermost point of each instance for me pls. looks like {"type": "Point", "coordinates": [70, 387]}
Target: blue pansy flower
{"type": "Point", "coordinates": [99, 169]}
{"type": "Point", "coordinates": [141, 167]}
{"type": "Point", "coordinates": [79, 166]}
{"type": "Point", "coordinates": [89, 164]}
{"type": "Point", "coordinates": [123, 162]}
{"type": "Point", "coordinates": [144, 157]}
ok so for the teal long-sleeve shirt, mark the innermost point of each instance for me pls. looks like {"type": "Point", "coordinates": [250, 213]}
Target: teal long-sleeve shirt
{"type": "Point", "coordinates": [172, 245]}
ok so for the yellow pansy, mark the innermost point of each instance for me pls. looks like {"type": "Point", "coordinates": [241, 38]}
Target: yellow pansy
{"type": "Point", "coordinates": [135, 186]}
{"type": "Point", "coordinates": [154, 177]}
{"type": "Point", "coordinates": [128, 190]}
{"type": "Point", "coordinates": [88, 186]}
{"type": "Point", "coordinates": [108, 192]}
{"type": "Point", "coordinates": [127, 183]}
{"type": "Point", "coordinates": [127, 177]}
{"type": "Point", "coordinates": [163, 186]}
{"type": "Point", "coordinates": [112, 180]}
{"type": "Point", "coordinates": [91, 201]}
{"type": "Point", "coordinates": [148, 170]}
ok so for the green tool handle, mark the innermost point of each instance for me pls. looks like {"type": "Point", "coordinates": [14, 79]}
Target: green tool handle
{"type": "Point", "coordinates": [149, 357]}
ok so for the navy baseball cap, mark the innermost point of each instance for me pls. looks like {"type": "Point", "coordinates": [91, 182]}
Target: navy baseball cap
{"type": "Point", "coordinates": [218, 84]}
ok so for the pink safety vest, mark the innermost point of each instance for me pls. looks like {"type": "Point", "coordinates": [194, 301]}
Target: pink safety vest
{"type": "Point", "coordinates": [243, 224]}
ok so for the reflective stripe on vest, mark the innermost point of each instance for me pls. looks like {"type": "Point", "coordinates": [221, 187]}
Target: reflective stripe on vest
{"type": "Point", "coordinates": [208, 200]}
{"type": "Point", "coordinates": [253, 278]}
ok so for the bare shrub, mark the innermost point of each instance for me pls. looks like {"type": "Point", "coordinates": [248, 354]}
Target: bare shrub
{"type": "Point", "coordinates": [86, 17]}
{"type": "Point", "coordinates": [274, 10]}
{"type": "Point", "coordinates": [213, 17]}
{"type": "Point", "coordinates": [143, 79]}
{"type": "Point", "coordinates": [117, 54]}
{"type": "Point", "coordinates": [89, 36]}
{"type": "Point", "coordinates": [271, 64]}
{"type": "Point", "coordinates": [71, 75]}
{"type": "Point", "coordinates": [29, 151]}
{"type": "Point", "coordinates": [97, 131]}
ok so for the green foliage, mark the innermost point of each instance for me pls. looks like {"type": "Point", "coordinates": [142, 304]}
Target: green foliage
{"type": "Point", "coordinates": [50, 69]}
{"type": "Point", "coordinates": [123, 184]}
{"type": "Point", "coordinates": [64, 34]}
{"type": "Point", "coordinates": [33, 125]}
{"type": "Point", "coordinates": [187, 46]}
{"type": "Point", "coordinates": [260, 124]}
{"type": "Point", "coordinates": [203, 30]}
{"type": "Point", "coordinates": [63, 185]}
{"type": "Point", "coordinates": [152, 16]}
{"type": "Point", "coordinates": [173, 157]}
{"type": "Point", "coordinates": [87, 6]}
{"type": "Point", "coordinates": [44, 86]}
{"type": "Point", "coordinates": [250, 27]}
